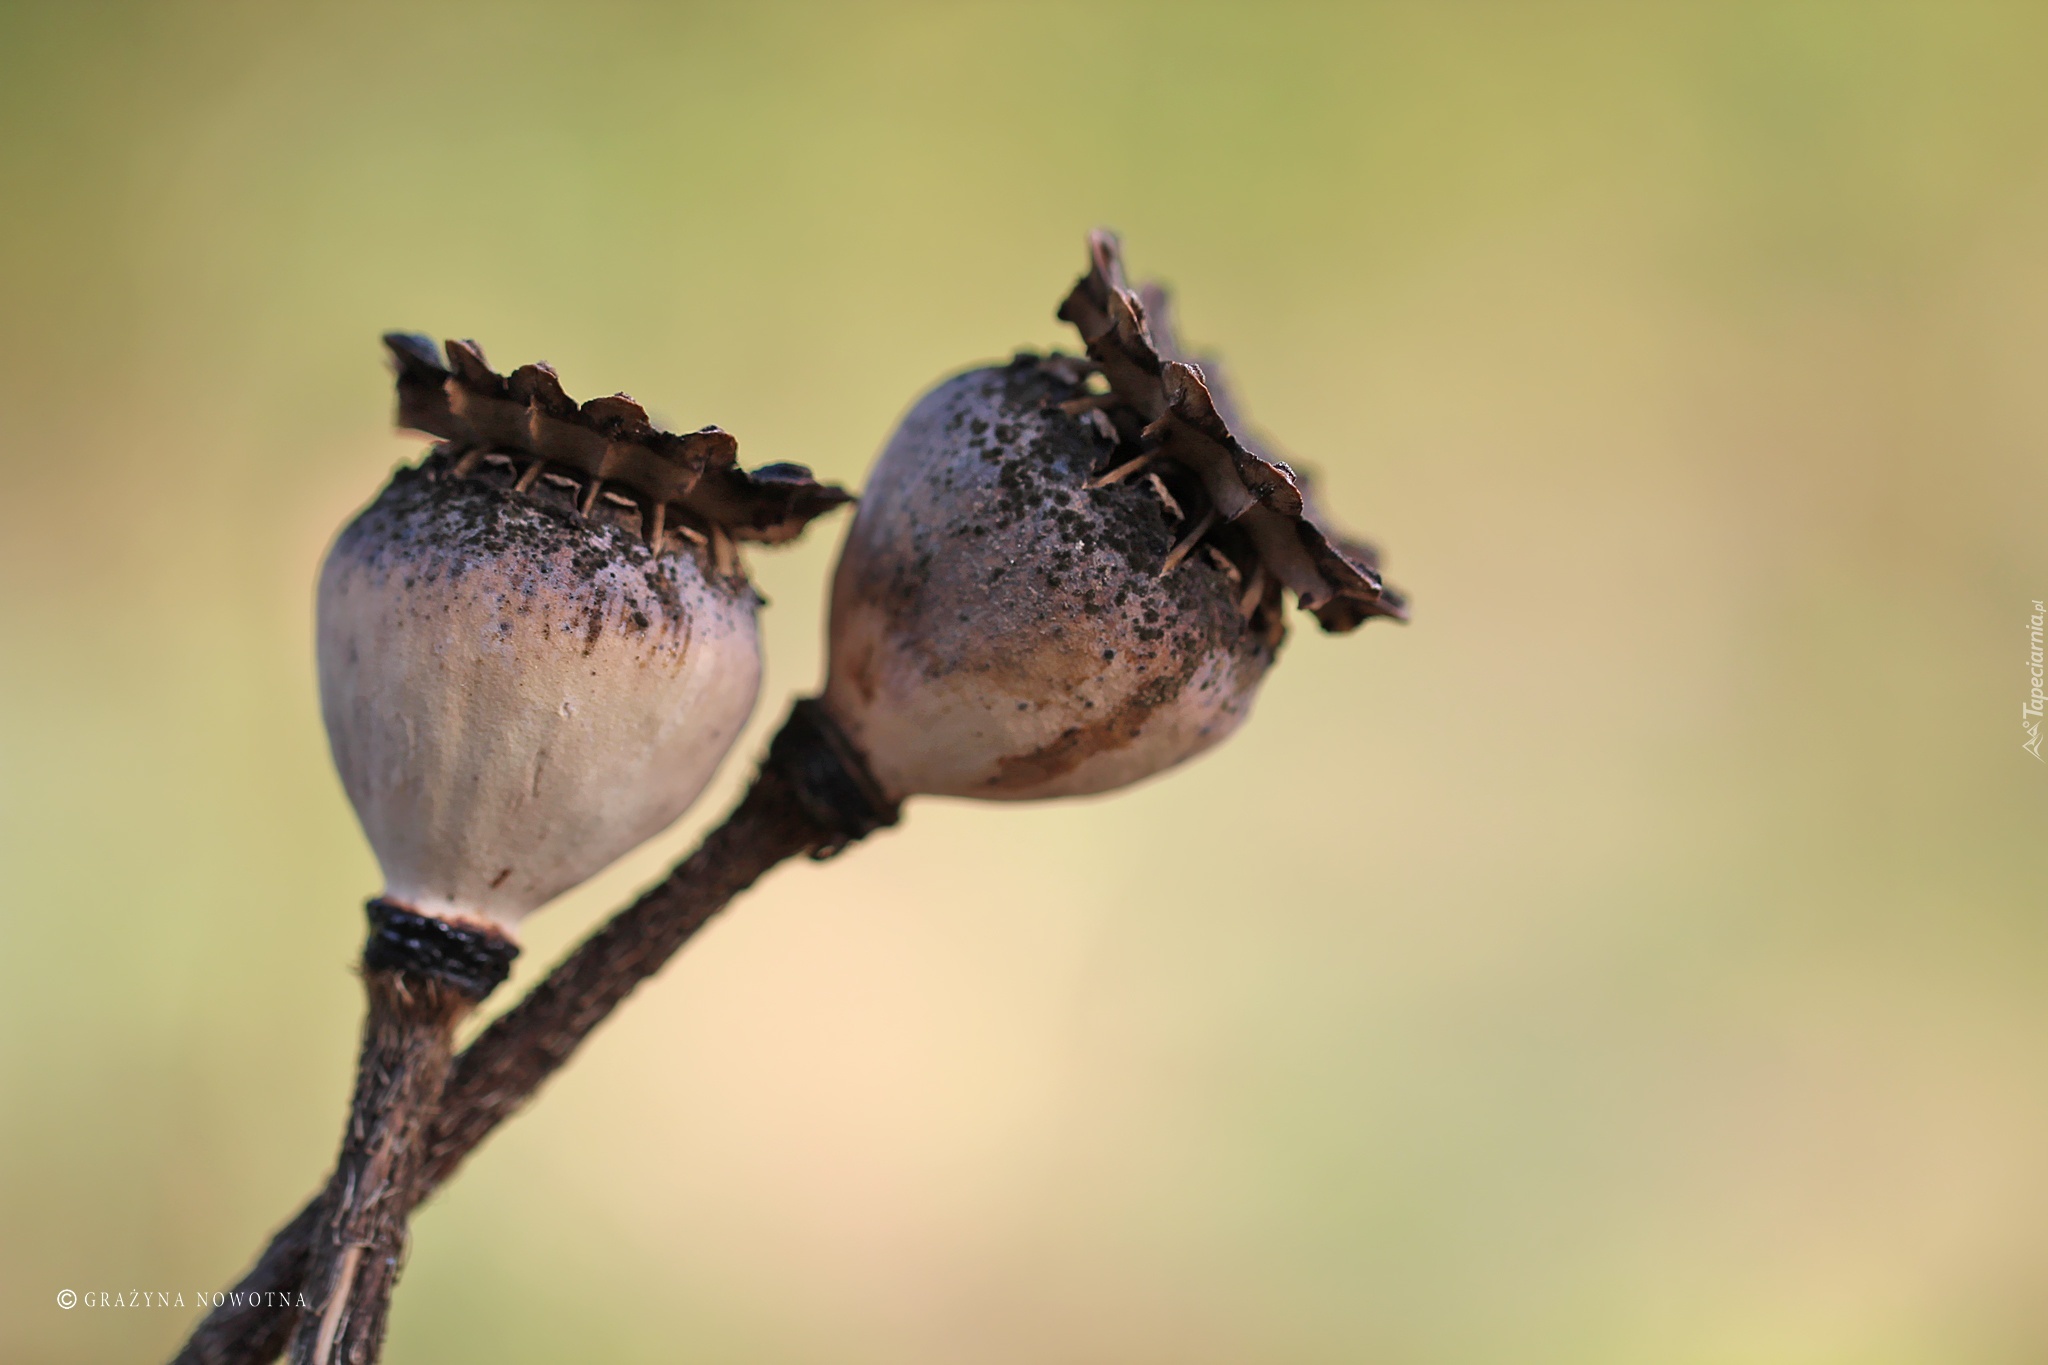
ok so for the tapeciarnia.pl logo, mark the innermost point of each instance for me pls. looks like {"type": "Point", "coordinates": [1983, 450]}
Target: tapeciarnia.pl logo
{"type": "Point", "coordinates": [2030, 713]}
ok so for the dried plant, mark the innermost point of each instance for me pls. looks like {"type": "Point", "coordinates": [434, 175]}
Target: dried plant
{"type": "Point", "coordinates": [535, 648]}
{"type": "Point", "coordinates": [1066, 575]}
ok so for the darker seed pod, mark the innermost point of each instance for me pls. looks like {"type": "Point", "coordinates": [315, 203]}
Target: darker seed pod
{"type": "Point", "coordinates": [1067, 575]}
{"type": "Point", "coordinates": [536, 646]}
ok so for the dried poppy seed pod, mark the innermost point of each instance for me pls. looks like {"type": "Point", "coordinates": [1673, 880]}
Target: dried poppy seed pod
{"type": "Point", "coordinates": [1066, 576]}
{"type": "Point", "coordinates": [1001, 630]}
{"type": "Point", "coordinates": [536, 646]}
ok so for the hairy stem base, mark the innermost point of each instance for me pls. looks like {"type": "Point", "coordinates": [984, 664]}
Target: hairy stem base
{"type": "Point", "coordinates": [357, 1243]}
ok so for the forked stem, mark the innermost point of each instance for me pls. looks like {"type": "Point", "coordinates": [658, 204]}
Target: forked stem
{"type": "Point", "coordinates": [812, 795]}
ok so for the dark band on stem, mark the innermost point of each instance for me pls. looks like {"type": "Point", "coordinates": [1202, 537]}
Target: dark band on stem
{"type": "Point", "coordinates": [830, 778]}
{"type": "Point", "coordinates": [474, 961]}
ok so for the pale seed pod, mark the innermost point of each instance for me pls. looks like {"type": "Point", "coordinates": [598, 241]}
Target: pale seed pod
{"type": "Point", "coordinates": [536, 646]}
{"type": "Point", "coordinates": [1065, 576]}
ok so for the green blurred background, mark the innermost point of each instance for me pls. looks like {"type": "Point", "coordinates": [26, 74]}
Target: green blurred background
{"type": "Point", "coordinates": [1638, 959]}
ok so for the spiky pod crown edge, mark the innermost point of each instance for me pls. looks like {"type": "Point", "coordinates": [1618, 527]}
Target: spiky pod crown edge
{"type": "Point", "coordinates": [1167, 407]}
{"type": "Point", "coordinates": [689, 483]}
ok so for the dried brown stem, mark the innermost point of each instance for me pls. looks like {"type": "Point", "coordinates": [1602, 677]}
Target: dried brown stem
{"type": "Point", "coordinates": [358, 1241]}
{"type": "Point", "coordinates": [252, 1326]}
{"type": "Point", "coordinates": [500, 1071]}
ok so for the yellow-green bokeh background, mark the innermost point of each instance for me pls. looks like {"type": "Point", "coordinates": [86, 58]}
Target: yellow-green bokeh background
{"type": "Point", "coordinates": [1638, 959]}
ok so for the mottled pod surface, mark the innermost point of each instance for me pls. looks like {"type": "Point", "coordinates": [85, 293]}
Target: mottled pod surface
{"type": "Point", "coordinates": [516, 692]}
{"type": "Point", "coordinates": [1002, 630]}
